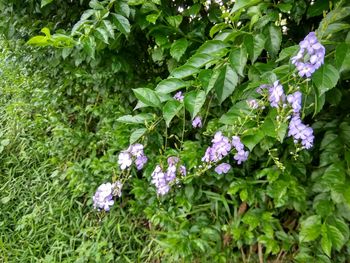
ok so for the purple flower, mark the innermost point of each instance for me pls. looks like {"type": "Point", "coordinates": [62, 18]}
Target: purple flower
{"type": "Point", "coordinates": [136, 149]}
{"type": "Point", "coordinates": [301, 132]}
{"type": "Point", "coordinates": [124, 160]}
{"type": "Point", "coordinates": [140, 161]}
{"type": "Point", "coordinates": [173, 160]}
{"type": "Point", "coordinates": [262, 88]}
{"type": "Point", "coordinates": [178, 96]}
{"type": "Point", "coordinates": [295, 101]}
{"type": "Point", "coordinates": [241, 156]}
{"type": "Point", "coordinates": [182, 170]}
{"type": "Point", "coordinates": [159, 180]}
{"type": "Point", "coordinates": [236, 142]}
{"type": "Point", "coordinates": [170, 174]}
{"type": "Point", "coordinates": [276, 94]}
{"type": "Point", "coordinates": [223, 168]}
{"type": "Point", "coordinates": [103, 197]}
{"type": "Point", "coordinates": [197, 122]}
{"type": "Point", "coordinates": [221, 146]}
{"type": "Point", "coordinates": [253, 104]}
{"type": "Point", "coordinates": [310, 56]}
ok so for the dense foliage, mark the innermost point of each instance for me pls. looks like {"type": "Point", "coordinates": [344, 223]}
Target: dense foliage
{"type": "Point", "coordinates": [212, 130]}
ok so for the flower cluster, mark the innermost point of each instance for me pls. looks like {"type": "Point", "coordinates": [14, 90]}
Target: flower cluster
{"type": "Point", "coordinates": [162, 180]}
{"type": "Point", "coordinates": [274, 93]}
{"type": "Point", "coordinates": [221, 147]}
{"type": "Point", "coordinates": [310, 56]}
{"type": "Point", "coordinates": [222, 168]}
{"type": "Point", "coordinates": [301, 132]}
{"type": "Point", "coordinates": [241, 155]}
{"type": "Point", "coordinates": [135, 152]}
{"type": "Point", "coordinates": [178, 96]}
{"type": "Point", "coordinates": [197, 122]}
{"type": "Point", "coordinates": [103, 198]}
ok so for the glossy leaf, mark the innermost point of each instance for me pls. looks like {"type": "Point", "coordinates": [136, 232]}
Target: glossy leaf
{"type": "Point", "coordinates": [169, 85]}
{"type": "Point", "coordinates": [178, 48]}
{"type": "Point", "coordinates": [238, 59]}
{"type": "Point", "coordinates": [325, 78]}
{"type": "Point", "coordinates": [137, 134]}
{"type": "Point", "coordinates": [147, 96]}
{"type": "Point", "coordinates": [194, 101]}
{"type": "Point", "coordinates": [121, 23]}
{"type": "Point", "coordinates": [225, 83]}
{"type": "Point", "coordinates": [170, 110]}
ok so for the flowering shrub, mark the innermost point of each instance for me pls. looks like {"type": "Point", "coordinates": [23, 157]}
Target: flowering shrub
{"type": "Point", "coordinates": [232, 111]}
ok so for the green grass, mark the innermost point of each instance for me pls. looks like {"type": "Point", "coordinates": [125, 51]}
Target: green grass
{"type": "Point", "coordinates": [46, 212]}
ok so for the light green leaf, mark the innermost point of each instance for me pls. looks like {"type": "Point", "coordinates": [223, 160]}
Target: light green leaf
{"type": "Point", "coordinates": [310, 228]}
{"type": "Point", "coordinates": [325, 78]}
{"type": "Point", "coordinates": [121, 23]}
{"type": "Point", "coordinates": [238, 59]}
{"type": "Point", "coordinates": [215, 48]}
{"type": "Point", "coordinates": [178, 48]}
{"type": "Point", "coordinates": [169, 85]}
{"type": "Point", "coordinates": [137, 134]}
{"type": "Point", "coordinates": [225, 83]}
{"type": "Point", "coordinates": [342, 57]}
{"type": "Point", "coordinates": [199, 60]}
{"type": "Point", "coordinates": [217, 27]}
{"type": "Point", "coordinates": [147, 96]}
{"type": "Point", "coordinates": [109, 28]}
{"type": "Point", "coordinates": [46, 31]}
{"type": "Point", "coordinates": [287, 52]}
{"type": "Point", "coordinates": [174, 21]}
{"type": "Point", "coordinates": [152, 18]}
{"type": "Point", "coordinates": [38, 41]}
{"type": "Point", "coordinates": [194, 101]}
{"type": "Point", "coordinates": [273, 39]}
{"type": "Point", "coordinates": [102, 34]}
{"type": "Point", "coordinates": [170, 109]}
{"type": "Point", "coordinates": [184, 71]}
{"type": "Point", "coordinates": [136, 119]}
{"type": "Point", "coordinates": [239, 4]}
{"type": "Point", "coordinates": [45, 2]}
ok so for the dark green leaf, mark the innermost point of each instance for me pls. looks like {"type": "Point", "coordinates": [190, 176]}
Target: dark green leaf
{"type": "Point", "coordinates": [147, 96]}
{"type": "Point", "coordinates": [174, 21]}
{"type": "Point", "coordinates": [325, 78]}
{"type": "Point", "coordinates": [238, 59]}
{"type": "Point", "coordinates": [273, 39]}
{"type": "Point", "coordinates": [45, 2]}
{"type": "Point", "coordinates": [199, 60]}
{"type": "Point", "coordinates": [215, 48]}
{"type": "Point", "coordinates": [342, 57]}
{"type": "Point", "coordinates": [122, 23]}
{"type": "Point", "coordinates": [225, 83]}
{"type": "Point", "coordinates": [239, 4]}
{"type": "Point", "coordinates": [184, 71]}
{"type": "Point", "coordinates": [287, 52]}
{"type": "Point", "coordinates": [178, 48]}
{"type": "Point", "coordinates": [194, 101]}
{"type": "Point", "coordinates": [169, 85]}
{"type": "Point", "coordinates": [170, 109]}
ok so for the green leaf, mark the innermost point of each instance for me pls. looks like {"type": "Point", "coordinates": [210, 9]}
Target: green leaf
{"type": "Point", "coordinates": [174, 21]}
{"type": "Point", "coordinates": [102, 34]}
{"type": "Point", "coordinates": [109, 28]}
{"type": "Point", "coordinates": [273, 39]}
{"type": "Point", "coordinates": [147, 96]}
{"type": "Point", "coordinates": [152, 18]}
{"type": "Point", "coordinates": [258, 46]}
{"type": "Point", "coordinates": [239, 4]}
{"type": "Point", "coordinates": [169, 85]}
{"type": "Point", "coordinates": [342, 57]}
{"type": "Point", "coordinates": [214, 48]}
{"type": "Point", "coordinates": [325, 78]}
{"type": "Point", "coordinates": [121, 23]}
{"type": "Point", "coordinates": [287, 52]}
{"type": "Point", "coordinates": [310, 228]}
{"type": "Point", "coordinates": [46, 31]}
{"type": "Point", "coordinates": [45, 2]}
{"type": "Point", "coordinates": [137, 134]}
{"type": "Point", "coordinates": [236, 113]}
{"type": "Point", "coordinates": [184, 71]}
{"type": "Point", "coordinates": [199, 60]}
{"type": "Point", "coordinates": [326, 244]}
{"type": "Point", "coordinates": [317, 8]}
{"type": "Point", "coordinates": [238, 59]}
{"type": "Point", "coordinates": [170, 109]}
{"type": "Point", "coordinates": [331, 237]}
{"type": "Point", "coordinates": [136, 119]}
{"type": "Point", "coordinates": [194, 101]}
{"type": "Point", "coordinates": [178, 48]}
{"type": "Point", "coordinates": [216, 28]}
{"type": "Point", "coordinates": [225, 83]}
{"type": "Point", "coordinates": [38, 41]}
{"type": "Point", "coordinates": [252, 138]}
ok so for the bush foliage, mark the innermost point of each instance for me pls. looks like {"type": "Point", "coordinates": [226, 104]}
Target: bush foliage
{"type": "Point", "coordinates": [83, 80]}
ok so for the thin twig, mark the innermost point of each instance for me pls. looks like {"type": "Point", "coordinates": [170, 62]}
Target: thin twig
{"type": "Point", "coordinates": [261, 258]}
